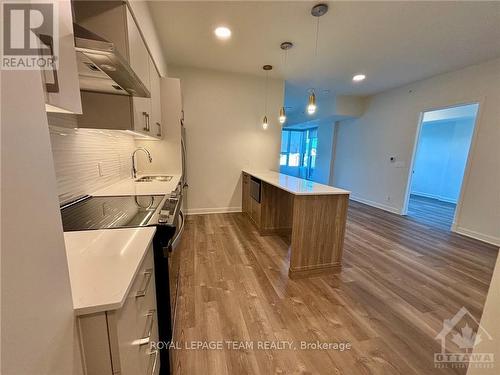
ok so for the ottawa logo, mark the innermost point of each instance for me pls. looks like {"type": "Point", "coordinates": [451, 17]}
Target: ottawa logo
{"type": "Point", "coordinates": [459, 336]}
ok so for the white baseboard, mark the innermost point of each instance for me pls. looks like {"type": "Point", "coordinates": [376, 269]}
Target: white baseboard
{"type": "Point", "coordinates": [433, 196]}
{"type": "Point", "coordinates": [384, 207]}
{"type": "Point", "coordinates": [476, 235]}
{"type": "Point", "coordinates": [217, 210]}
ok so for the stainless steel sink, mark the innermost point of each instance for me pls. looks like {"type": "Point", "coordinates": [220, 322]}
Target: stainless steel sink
{"type": "Point", "coordinates": [154, 178]}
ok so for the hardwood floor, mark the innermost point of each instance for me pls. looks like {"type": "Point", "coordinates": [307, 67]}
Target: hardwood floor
{"type": "Point", "coordinates": [432, 212]}
{"type": "Point", "coordinates": [399, 280]}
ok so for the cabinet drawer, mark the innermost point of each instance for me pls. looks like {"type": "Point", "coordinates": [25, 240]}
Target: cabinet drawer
{"type": "Point", "coordinates": [134, 326]}
{"type": "Point", "coordinates": [144, 287]}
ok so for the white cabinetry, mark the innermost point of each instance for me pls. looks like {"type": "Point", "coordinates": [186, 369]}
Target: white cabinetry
{"type": "Point", "coordinates": [156, 121]}
{"type": "Point", "coordinates": [119, 341]}
{"type": "Point", "coordinates": [65, 94]}
{"type": "Point", "coordinates": [139, 61]}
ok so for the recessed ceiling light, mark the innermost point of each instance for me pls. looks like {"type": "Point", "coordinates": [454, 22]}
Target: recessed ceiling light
{"type": "Point", "coordinates": [358, 77]}
{"type": "Point", "coordinates": [222, 32]}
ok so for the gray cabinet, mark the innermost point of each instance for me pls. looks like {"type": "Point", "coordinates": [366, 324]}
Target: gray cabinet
{"type": "Point", "coordinates": [114, 21]}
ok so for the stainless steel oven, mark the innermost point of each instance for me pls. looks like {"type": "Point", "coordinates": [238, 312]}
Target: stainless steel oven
{"type": "Point", "coordinates": [163, 212]}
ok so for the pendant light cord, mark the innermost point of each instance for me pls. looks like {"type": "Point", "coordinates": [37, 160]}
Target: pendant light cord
{"type": "Point", "coordinates": [317, 37]}
{"type": "Point", "coordinates": [265, 106]}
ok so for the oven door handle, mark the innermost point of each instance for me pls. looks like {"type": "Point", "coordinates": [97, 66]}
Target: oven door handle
{"type": "Point", "coordinates": [178, 233]}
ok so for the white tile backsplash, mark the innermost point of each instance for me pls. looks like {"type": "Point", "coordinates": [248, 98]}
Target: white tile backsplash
{"type": "Point", "coordinates": [86, 160]}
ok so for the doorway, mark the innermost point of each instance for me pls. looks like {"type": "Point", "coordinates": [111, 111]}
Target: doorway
{"type": "Point", "coordinates": [439, 164]}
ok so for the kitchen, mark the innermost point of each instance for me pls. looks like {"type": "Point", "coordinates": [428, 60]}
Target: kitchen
{"type": "Point", "coordinates": [162, 238]}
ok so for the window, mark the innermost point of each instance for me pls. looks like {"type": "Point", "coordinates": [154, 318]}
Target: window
{"type": "Point", "coordinates": [298, 151]}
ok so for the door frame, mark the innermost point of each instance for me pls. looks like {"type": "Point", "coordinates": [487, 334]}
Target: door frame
{"type": "Point", "coordinates": [465, 179]}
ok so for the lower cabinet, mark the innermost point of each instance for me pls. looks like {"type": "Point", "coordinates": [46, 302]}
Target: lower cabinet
{"type": "Point", "coordinates": [249, 205]}
{"type": "Point", "coordinates": [245, 199]}
{"type": "Point", "coordinates": [120, 341]}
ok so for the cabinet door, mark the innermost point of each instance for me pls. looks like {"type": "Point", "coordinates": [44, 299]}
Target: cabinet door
{"type": "Point", "coordinates": [245, 199]}
{"type": "Point", "coordinates": [66, 98]}
{"type": "Point", "coordinates": [139, 61]}
{"type": "Point", "coordinates": [141, 108]}
{"type": "Point", "coordinates": [255, 211]}
{"type": "Point", "coordinates": [138, 53]}
{"type": "Point", "coordinates": [156, 123]}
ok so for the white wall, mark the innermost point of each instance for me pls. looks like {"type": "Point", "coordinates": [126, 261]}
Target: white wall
{"type": "Point", "coordinates": [388, 128]}
{"type": "Point", "coordinates": [441, 157]}
{"type": "Point", "coordinates": [38, 325]}
{"type": "Point", "coordinates": [223, 116]}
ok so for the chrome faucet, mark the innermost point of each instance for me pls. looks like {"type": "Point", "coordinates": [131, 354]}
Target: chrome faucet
{"type": "Point", "coordinates": [134, 170]}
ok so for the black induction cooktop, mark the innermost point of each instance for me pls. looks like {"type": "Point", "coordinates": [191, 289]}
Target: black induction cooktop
{"type": "Point", "coordinates": [110, 212]}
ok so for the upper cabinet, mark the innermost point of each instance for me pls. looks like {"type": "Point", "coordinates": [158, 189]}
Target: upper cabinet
{"type": "Point", "coordinates": [156, 121]}
{"type": "Point", "coordinates": [114, 21]}
{"type": "Point", "coordinates": [62, 90]}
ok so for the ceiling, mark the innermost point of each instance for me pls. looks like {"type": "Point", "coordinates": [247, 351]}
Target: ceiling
{"type": "Point", "coordinates": [393, 43]}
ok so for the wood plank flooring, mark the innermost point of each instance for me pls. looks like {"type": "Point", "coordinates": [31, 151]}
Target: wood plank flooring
{"type": "Point", "coordinates": [432, 212]}
{"type": "Point", "coordinates": [399, 280]}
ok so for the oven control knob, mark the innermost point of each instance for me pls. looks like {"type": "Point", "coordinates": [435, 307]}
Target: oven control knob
{"type": "Point", "coordinates": [164, 216]}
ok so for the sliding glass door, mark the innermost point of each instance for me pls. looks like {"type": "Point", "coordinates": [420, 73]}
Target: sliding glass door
{"type": "Point", "coordinates": [298, 152]}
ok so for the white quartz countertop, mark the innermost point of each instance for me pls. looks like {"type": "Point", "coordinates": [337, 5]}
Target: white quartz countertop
{"type": "Point", "coordinates": [130, 187]}
{"type": "Point", "coordinates": [295, 185]}
{"type": "Point", "coordinates": [103, 264]}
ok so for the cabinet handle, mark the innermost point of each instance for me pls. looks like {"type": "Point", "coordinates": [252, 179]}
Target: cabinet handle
{"type": "Point", "coordinates": [159, 129]}
{"type": "Point", "coordinates": [147, 117]}
{"type": "Point", "coordinates": [145, 128]}
{"type": "Point", "coordinates": [147, 276]}
{"type": "Point", "coordinates": [153, 363]}
{"type": "Point", "coordinates": [149, 327]}
{"type": "Point", "coordinates": [49, 42]}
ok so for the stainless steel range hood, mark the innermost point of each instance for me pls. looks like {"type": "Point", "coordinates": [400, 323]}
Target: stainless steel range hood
{"type": "Point", "coordinates": [102, 69]}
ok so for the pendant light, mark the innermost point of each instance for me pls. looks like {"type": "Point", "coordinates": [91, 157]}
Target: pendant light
{"type": "Point", "coordinates": [282, 117]}
{"type": "Point", "coordinates": [317, 11]}
{"type": "Point", "coordinates": [285, 46]}
{"type": "Point", "coordinates": [265, 123]}
{"type": "Point", "coordinates": [311, 105]}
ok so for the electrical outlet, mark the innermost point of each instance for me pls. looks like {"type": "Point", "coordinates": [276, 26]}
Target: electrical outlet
{"type": "Point", "coordinates": [99, 168]}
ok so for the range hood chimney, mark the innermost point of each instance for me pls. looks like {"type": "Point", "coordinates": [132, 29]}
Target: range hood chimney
{"type": "Point", "coordinates": [102, 69]}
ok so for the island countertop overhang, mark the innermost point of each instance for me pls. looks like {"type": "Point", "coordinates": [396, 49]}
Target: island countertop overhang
{"type": "Point", "coordinates": [295, 185]}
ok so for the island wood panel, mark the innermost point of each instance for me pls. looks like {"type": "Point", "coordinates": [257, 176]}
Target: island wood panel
{"type": "Point", "coordinates": [276, 211]}
{"type": "Point", "coordinates": [255, 212]}
{"type": "Point", "coordinates": [317, 233]}
{"type": "Point", "coordinates": [245, 198]}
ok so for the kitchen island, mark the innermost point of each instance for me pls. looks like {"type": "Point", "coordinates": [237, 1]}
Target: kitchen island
{"type": "Point", "coordinates": [313, 214]}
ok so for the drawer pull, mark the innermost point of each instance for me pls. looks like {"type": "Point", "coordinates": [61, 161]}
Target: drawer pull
{"type": "Point", "coordinates": [147, 276]}
{"type": "Point", "coordinates": [149, 327]}
{"type": "Point", "coordinates": [152, 363]}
